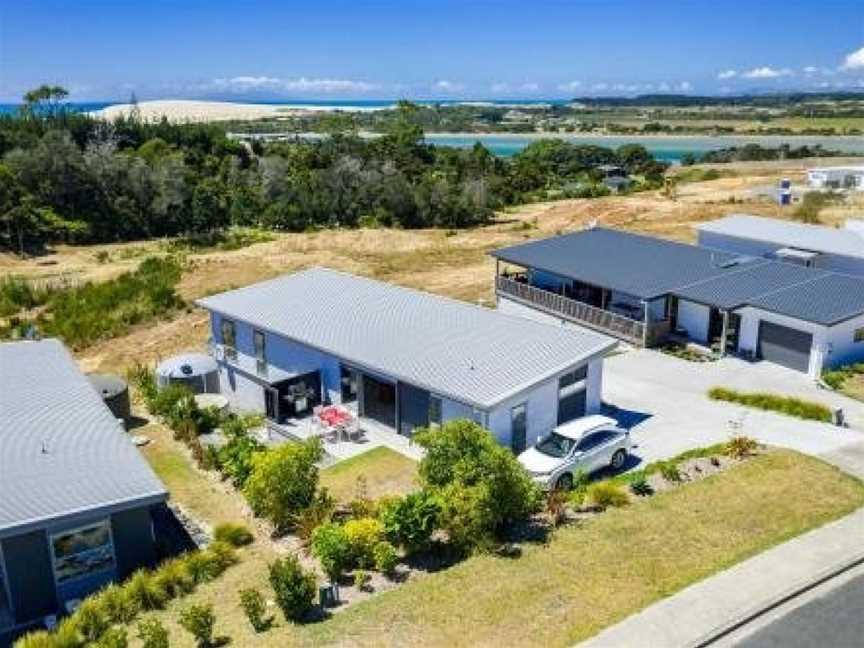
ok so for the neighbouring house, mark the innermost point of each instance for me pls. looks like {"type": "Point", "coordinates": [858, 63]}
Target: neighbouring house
{"type": "Point", "coordinates": [400, 358]}
{"type": "Point", "coordinates": [840, 249]}
{"type": "Point", "coordinates": [838, 177]}
{"type": "Point", "coordinates": [614, 177]}
{"type": "Point", "coordinates": [75, 494]}
{"type": "Point", "coordinates": [645, 290]}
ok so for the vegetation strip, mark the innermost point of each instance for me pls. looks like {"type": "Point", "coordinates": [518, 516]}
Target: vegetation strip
{"type": "Point", "coordinates": [789, 405]}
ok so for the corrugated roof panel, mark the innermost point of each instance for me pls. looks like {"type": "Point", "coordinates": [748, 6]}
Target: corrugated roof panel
{"type": "Point", "coordinates": [826, 299]}
{"type": "Point", "coordinates": [61, 449]}
{"type": "Point", "coordinates": [467, 352]}
{"type": "Point", "coordinates": [641, 266]}
{"type": "Point", "coordinates": [819, 238]}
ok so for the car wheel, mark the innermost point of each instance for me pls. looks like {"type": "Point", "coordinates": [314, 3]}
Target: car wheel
{"type": "Point", "coordinates": [565, 482]}
{"type": "Point", "coordinates": [618, 459]}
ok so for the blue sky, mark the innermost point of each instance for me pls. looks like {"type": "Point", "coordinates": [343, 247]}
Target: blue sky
{"type": "Point", "coordinates": [471, 49]}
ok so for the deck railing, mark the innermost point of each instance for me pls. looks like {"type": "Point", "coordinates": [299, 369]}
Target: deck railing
{"type": "Point", "coordinates": [619, 326]}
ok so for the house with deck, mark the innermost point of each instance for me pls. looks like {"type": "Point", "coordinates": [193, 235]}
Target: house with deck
{"type": "Point", "coordinates": [398, 358]}
{"type": "Point", "coordinates": [837, 177]}
{"type": "Point", "coordinates": [646, 290]}
{"type": "Point", "coordinates": [840, 249]}
{"type": "Point", "coordinates": [76, 497]}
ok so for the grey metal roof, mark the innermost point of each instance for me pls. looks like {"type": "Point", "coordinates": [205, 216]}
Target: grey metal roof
{"type": "Point", "coordinates": [648, 267]}
{"type": "Point", "coordinates": [747, 281]}
{"type": "Point", "coordinates": [473, 354]}
{"type": "Point", "coordinates": [818, 238]}
{"type": "Point", "coordinates": [826, 299]}
{"type": "Point", "coordinates": [62, 453]}
{"type": "Point", "coordinates": [641, 266]}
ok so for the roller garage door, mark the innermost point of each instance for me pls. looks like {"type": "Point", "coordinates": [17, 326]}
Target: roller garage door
{"type": "Point", "coordinates": [785, 346]}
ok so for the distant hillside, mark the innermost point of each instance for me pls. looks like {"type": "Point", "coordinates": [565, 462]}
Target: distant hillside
{"type": "Point", "coordinates": [757, 100]}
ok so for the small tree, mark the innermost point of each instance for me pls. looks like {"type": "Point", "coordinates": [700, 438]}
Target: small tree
{"type": "Point", "coordinates": [294, 588]}
{"type": "Point", "coordinates": [410, 521]}
{"type": "Point", "coordinates": [331, 547]}
{"type": "Point", "coordinates": [283, 481]}
{"type": "Point", "coordinates": [199, 620]}
{"type": "Point", "coordinates": [152, 634]}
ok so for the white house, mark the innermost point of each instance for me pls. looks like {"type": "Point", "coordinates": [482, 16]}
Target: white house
{"type": "Point", "coordinates": [644, 290]}
{"type": "Point", "coordinates": [838, 177]}
{"type": "Point", "coordinates": [840, 249]}
{"type": "Point", "coordinates": [401, 358]}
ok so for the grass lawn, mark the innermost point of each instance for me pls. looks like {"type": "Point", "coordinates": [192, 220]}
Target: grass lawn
{"type": "Point", "coordinates": [386, 471]}
{"type": "Point", "coordinates": [584, 579]}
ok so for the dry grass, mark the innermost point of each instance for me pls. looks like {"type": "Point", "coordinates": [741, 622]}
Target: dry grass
{"type": "Point", "coordinates": [385, 472]}
{"type": "Point", "coordinates": [586, 578]}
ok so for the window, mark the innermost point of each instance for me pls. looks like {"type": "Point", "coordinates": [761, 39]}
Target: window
{"type": "Point", "coordinates": [434, 412]}
{"type": "Point", "coordinates": [259, 342]}
{"type": "Point", "coordinates": [229, 338]}
{"type": "Point", "coordinates": [518, 429]}
{"type": "Point", "coordinates": [348, 384]}
{"type": "Point", "coordinates": [596, 439]}
{"type": "Point", "coordinates": [82, 551]}
{"type": "Point", "coordinates": [859, 335]}
{"type": "Point", "coordinates": [556, 445]}
{"type": "Point", "coordinates": [479, 417]}
{"type": "Point", "coordinates": [571, 395]}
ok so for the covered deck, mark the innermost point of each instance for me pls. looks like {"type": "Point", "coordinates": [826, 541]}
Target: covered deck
{"type": "Point", "coordinates": [631, 319]}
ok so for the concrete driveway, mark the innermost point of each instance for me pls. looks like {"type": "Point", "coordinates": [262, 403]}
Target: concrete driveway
{"type": "Point", "coordinates": [663, 400]}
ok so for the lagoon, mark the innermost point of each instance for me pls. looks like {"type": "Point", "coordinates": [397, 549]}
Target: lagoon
{"type": "Point", "coordinates": [669, 148]}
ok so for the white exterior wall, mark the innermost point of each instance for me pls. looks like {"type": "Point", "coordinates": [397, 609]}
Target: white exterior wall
{"type": "Point", "coordinates": [694, 319]}
{"type": "Point", "coordinates": [748, 339]}
{"type": "Point", "coordinates": [541, 406]}
{"type": "Point", "coordinates": [843, 348]}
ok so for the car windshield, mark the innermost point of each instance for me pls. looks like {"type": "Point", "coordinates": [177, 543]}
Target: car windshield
{"type": "Point", "coordinates": [556, 445]}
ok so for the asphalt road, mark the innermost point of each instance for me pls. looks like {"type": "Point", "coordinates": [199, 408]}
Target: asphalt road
{"type": "Point", "coordinates": [833, 620]}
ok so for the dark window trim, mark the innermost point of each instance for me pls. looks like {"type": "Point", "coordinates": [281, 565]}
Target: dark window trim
{"type": "Point", "coordinates": [260, 353]}
{"type": "Point", "coordinates": [230, 349]}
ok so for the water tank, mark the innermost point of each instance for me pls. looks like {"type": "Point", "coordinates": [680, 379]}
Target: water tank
{"type": "Point", "coordinates": [115, 393]}
{"type": "Point", "coordinates": [198, 371]}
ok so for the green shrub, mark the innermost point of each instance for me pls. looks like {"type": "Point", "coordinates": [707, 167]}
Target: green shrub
{"type": "Point", "coordinates": [789, 405]}
{"type": "Point", "coordinates": [36, 639]}
{"type": "Point", "coordinates": [362, 580]}
{"type": "Point", "coordinates": [410, 521]}
{"type": "Point", "coordinates": [740, 447]}
{"type": "Point", "coordinates": [255, 608]}
{"type": "Point", "coordinates": [152, 634]}
{"type": "Point", "coordinates": [317, 513]}
{"type": "Point", "coordinates": [67, 635]}
{"type": "Point", "coordinates": [113, 638]}
{"type": "Point", "coordinates": [91, 619]}
{"type": "Point", "coordinates": [143, 379]}
{"type": "Point", "coordinates": [607, 494]}
{"type": "Point", "coordinates": [144, 591]}
{"type": "Point", "coordinates": [464, 461]}
{"type": "Point", "coordinates": [198, 620]}
{"type": "Point", "coordinates": [174, 578]}
{"type": "Point", "coordinates": [283, 481]}
{"type": "Point", "coordinates": [235, 535]}
{"type": "Point", "coordinates": [222, 555]}
{"type": "Point", "coordinates": [639, 484]}
{"type": "Point", "coordinates": [577, 498]}
{"type": "Point", "coordinates": [235, 458]}
{"type": "Point", "coordinates": [330, 545]}
{"type": "Point", "coordinates": [385, 557]}
{"type": "Point", "coordinates": [293, 587]}
{"type": "Point", "coordinates": [362, 536]}
{"type": "Point", "coordinates": [119, 607]}
{"type": "Point", "coordinates": [670, 472]}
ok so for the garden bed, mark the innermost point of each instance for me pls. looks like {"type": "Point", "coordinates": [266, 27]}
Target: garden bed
{"type": "Point", "coordinates": [789, 405]}
{"type": "Point", "coordinates": [687, 352]}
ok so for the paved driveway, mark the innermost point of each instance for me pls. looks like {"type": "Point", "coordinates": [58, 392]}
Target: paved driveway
{"type": "Point", "coordinates": [663, 399]}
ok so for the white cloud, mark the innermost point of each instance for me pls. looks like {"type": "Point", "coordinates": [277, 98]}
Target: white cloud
{"type": "Point", "coordinates": [530, 87]}
{"type": "Point", "coordinates": [663, 87]}
{"type": "Point", "coordinates": [600, 86]}
{"type": "Point", "coordinates": [810, 69]}
{"type": "Point", "coordinates": [302, 84]}
{"type": "Point", "coordinates": [685, 86]}
{"type": "Point", "coordinates": [522, 87]}
{"type": "Point", "coordinates": [854, 60]}
{"type": "Point", "coordinates": [500, 87]}
{"type": "Point", "coordinates": [727, 74]}
{"type": "Point", "coordinates": [448, 86]}
{"type": "Point", "coordinates": [570, 86]}
{"type": "Point", "coordinates": [766, 72]}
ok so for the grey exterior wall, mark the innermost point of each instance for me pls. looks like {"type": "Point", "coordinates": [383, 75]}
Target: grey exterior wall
{"type": "Point", "coordinates": [134, 544]}
{"type": "Point", "coordinates": [30, 575]}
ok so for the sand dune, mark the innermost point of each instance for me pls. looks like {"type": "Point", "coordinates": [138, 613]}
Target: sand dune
{"type": "Point", "coordinates": [180, 110]}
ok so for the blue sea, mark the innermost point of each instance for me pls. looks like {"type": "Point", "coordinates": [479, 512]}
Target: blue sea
{"type": "Point", "coordinates": [669, 148]}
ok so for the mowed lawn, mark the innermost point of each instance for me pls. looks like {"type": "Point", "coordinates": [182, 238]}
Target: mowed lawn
{"type": "Point", "coordinates": [384, 471]}
{"type": "Point", "coordinates": [586, 578]}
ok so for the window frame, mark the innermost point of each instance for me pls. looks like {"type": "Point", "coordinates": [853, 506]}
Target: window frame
{"type": "Point", "coordinates": [524, 407]}
{"type": "Point", "coordinates": [52, 535]}
{"type": "Point", "coordinates": [858, 335]}
{"type": "Point", "coordinates": [435, 422]}
{"type": "Point", "coordinates": [226, 324]}
{"type": "Point", "coordinates": [261, 366]}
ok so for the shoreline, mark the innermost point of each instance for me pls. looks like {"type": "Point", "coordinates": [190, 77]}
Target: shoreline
{"type": "Point", "coordinates": [640, 136]}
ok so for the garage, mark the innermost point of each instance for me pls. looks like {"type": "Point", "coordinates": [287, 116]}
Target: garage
{"type": "Point", "coordinates": [785, 346]}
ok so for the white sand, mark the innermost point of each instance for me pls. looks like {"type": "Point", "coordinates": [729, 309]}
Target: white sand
{"type": "Point", "coordinates": [185, 110]}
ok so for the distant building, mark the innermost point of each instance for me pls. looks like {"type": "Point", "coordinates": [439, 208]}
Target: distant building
{"type": "Point", "coordinates": [615, 177]}
{"type": "Point", "coordinates": [76, 496]}
{"type": "Point", "coordinates": [840, 249]}
{"type": "Point", "coordinates": [839, 177]}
